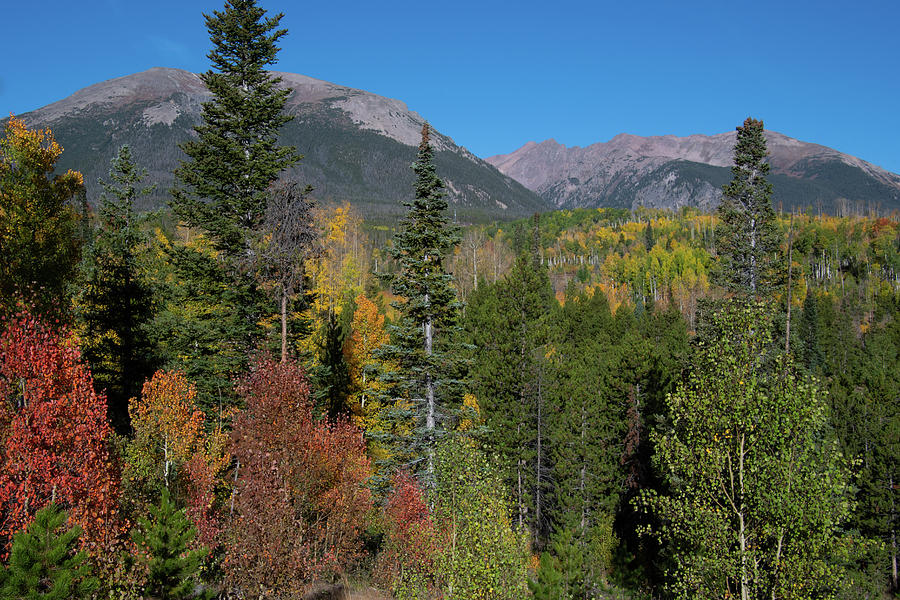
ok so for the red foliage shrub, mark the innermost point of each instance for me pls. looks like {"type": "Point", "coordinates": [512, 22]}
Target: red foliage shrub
{"type": "Point", "coordinates": [299, 500]}
{"type": "Point", "coordinates": [411, 538]}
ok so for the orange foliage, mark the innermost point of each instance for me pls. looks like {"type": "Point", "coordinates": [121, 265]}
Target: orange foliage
{"type": "Point", "coordinates": [167, 427]}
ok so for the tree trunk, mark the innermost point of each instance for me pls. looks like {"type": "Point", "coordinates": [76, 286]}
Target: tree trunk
{"type": "Point", "coordinates": [538, 460]}
{"type": "Point", "coordinates": [284, 300]}
{"type": "Point", "coordinates": [742, 534]}
{"type": "Point", "coordinates": [429, 396]}
{"type": "Point", "coordinates": [787, 337]}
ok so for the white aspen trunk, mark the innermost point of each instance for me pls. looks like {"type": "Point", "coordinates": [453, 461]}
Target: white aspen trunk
{"type": "Point", "coordinates": [753, 255]}
{"type": "Point", "coordinates": [520, 492]}
{"type": "Point", "coordinates": [234, 488]}
{"type": "Point", "coordinates": [284, 325]}
{"type": "Point", "coordinates": [742, 534]}
{"type": "Point", "coordinates": [787, 336]}
{"type": "Point", "coordinates": [429, 395]}
{"type": "Point", "coordinates": [166, 460]}
{"type": "Point", "coordinates": [583, 469]}
{"type": "Point", "coordinates": [474, 269]}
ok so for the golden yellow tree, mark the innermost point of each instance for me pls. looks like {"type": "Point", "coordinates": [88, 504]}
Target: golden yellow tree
{"type": "Point", "coordinates": [39, 238]}
{"type": "Point", "coordinates": [367, 335]}
{"type": "Point", "coordinates": [168, 431]}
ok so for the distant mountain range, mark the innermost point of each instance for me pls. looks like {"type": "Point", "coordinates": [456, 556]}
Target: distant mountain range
{"type": "Point", "coordinates": [670, 172]}
{"type": "Point", "coordinates": [358, 146]}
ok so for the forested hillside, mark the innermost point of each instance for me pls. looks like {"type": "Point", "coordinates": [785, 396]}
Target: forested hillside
{"type": "Point", "coordinates": [251, 393]}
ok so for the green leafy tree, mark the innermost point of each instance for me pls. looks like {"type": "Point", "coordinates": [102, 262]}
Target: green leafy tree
{"type": "Point", "coordinates": [482, 557]}
{"type": "Point", "coordinates": [43, 563]}
{"type": "Point", "coordinates": [114, 303]}
{"type": "Point", "coordinates": [758, 491]}
{"type": "Point", "coordinates": [165, 544]}
{"type": "Point", "coordinates": [427, 377]}
{"type": "Point", "coordinates": [747, 238]}
{"type": "Point", "coordinates": [222, 189]}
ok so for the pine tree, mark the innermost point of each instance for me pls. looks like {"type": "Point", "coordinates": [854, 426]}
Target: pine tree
{"type": "Point", "coordinates": [165, 542]}
{"type": "Point", "coordinates": [747, 239]}
{"type": "Point", "coordinates": [508, 323]}
{"type": "Point", "coordinates": [114, 303]}
{"type": "Point", "coordinates": [588, 427]}
{"type": "Point", "coordinates": [222, 189]}
{"type": "Point", "coordinates": [43, 563]}
{"type": "Point", "coordinates": [422, 343]}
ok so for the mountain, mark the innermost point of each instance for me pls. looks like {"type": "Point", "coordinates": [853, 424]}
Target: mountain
{"type": "Point", "coordinates": [357, 146]}
{"type": "Point", "coordinates": [669, 172]}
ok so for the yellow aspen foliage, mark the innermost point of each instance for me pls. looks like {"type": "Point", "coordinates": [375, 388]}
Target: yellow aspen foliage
{"type": "Point", "coordinates": [367, 335]}
{"type": "Point", "coordinates": [471, 413]}
{"type": "Point", "coordinates": [39, 239]}
{"type": "Point", "coordinates": [168, 431]}
{"type": "Point", "coordinates": [341, 268]}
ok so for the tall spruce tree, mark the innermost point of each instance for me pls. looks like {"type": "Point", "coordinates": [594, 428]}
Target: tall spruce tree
{"type": "Point", "coordinates": [588, 427]}
{"type": "Point", "coordinates": [747, 239]}
{"type": "Point", "coordinates": [114, 303]}
{"type": "Point", "coordinates": [222, 189]}
{"type": "Point", "coordinates": [423, 342]}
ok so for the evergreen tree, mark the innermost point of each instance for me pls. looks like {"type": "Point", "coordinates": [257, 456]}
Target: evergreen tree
{"type": "Point", "coordinates": [333, 378]}
{"type": "Point", "coordinates": [810, 350]}
{"type": "Point", "coordinates": [423, 346]}
{"type": "Point", "coordinates": [43, 563]}
{"type": "Point", "coordinates": [649, 239]}
{"type": "Point", "coordinates": [114, 303]}
{"type": "Point", "coordinates": [508, 324]}
{"type": "Point", "coordinates": [165, 541]}
{"type": "Point", "coordinates": [747, 239]}
{"type": "Point", "coordinates": [222, 189]}
{"type": "Point", "coordinates": [588, 427]}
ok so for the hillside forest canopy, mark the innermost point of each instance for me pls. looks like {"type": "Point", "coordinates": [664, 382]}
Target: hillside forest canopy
{"type": "Point", "coordinates": [253, 394]}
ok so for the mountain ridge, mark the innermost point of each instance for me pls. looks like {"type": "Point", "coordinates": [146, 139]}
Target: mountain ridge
{"type": "Point", "coordinates": [631, 171]}
{"type": "Point", "coordinates": [357, 146]}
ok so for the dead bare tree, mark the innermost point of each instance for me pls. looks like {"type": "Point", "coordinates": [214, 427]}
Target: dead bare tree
{"type": "Point", "coordinates": [287, 239]}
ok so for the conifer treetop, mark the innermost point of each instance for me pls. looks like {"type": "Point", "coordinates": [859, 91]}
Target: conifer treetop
{"type": "Point", "coordinates": [222, 188]}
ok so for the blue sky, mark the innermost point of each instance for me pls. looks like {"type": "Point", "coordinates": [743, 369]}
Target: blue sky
{"type": "Point", "coordinates": [494, 75]}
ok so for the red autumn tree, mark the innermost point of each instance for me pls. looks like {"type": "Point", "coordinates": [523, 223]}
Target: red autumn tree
{"type": "Point", "coordinates": [299, 502]}
{"type": "Point", "coordinates": [411, 539]}
{"type": "Point", "coordinates": [54, 436]}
